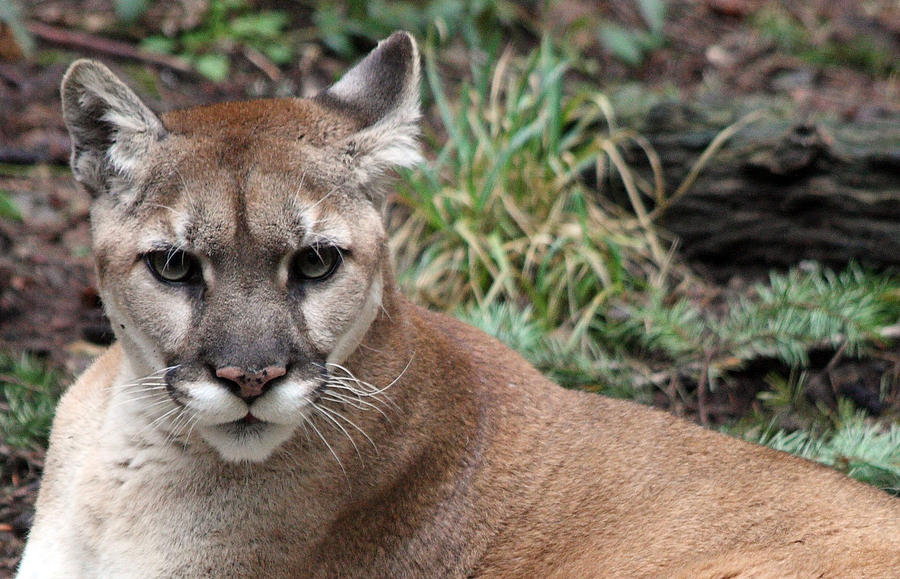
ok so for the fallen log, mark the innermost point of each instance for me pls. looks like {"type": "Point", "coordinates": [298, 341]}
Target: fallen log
{"type": "Point", "coordinates": [784, 189]}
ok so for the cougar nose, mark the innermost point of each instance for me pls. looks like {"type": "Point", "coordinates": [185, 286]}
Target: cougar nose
{"type": "Point", "coordinates": [250, 384]}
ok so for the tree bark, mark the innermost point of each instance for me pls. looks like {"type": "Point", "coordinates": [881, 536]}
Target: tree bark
{"type": "Point", "coordinates": [784, 189]}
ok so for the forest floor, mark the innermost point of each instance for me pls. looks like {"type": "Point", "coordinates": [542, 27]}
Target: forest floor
{"type": "Point", "coordinates": [48, 298]}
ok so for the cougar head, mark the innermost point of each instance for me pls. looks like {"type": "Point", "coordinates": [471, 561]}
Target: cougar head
{"type": "Point", "coordinates": [239, 247]}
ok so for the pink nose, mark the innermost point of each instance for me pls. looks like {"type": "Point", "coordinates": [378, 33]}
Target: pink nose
{"type": "Point", "coordinates": [250, 384]}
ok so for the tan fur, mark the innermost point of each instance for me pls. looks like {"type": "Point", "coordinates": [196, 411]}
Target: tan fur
{"type": "Point", "coordinates": [455, 459]}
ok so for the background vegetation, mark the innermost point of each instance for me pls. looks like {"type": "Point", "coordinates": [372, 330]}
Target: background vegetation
{"type": "Point", "coordinates": [512, 226]}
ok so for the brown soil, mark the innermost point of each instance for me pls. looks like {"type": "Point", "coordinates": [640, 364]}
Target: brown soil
{"type": "Point", "coordinates": [48, 298]}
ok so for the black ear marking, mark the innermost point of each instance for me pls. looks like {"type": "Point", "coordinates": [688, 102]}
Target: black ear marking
{"type": "Point", "coordinates": [385, 81]}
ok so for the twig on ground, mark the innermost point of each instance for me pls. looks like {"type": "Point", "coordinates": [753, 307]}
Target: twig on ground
{"type": "Point", "coordinates": [87, 41]}
{"type": "Point", "coordinates": [673, 390]}
{"type": "Point", "coordinates": [829, 368]}
{"type": "Point", "coordinates": [702, 389]}
{"type": "Point", "coordinates": [262, 62]}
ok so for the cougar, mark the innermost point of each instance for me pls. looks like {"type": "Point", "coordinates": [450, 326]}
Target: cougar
{"type": "Point", "coordinates": [273, 407]}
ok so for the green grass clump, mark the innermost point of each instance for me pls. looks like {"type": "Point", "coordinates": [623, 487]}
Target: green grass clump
{"type": "Point", "coordinates": [782, 319]}
{"type": "Point", "coordinates": [504, 215]}
{"type": "Point", "coordinates": [29, 391]}
{"type": "Point", "coordinates": [648, 339]}
{"type": "Point", "coordinates": [596, 369]}
{"type": "Point", "coordinates": [865, 451]}
{"type": "Point", "coordinates": [226, 25]}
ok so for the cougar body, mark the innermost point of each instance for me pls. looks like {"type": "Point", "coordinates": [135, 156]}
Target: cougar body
{"type": "Point", "coordinates": [274, 407]}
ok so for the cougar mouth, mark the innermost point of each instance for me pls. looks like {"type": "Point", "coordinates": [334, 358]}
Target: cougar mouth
{"type": "Point", "coordinates": [249, 419]}
{"type": "Point", "coordinates": [246, 425]}
{"type": "Point", "coordinates": [242, 424]}
{"type": "Point", "coordinates": [244, 429]}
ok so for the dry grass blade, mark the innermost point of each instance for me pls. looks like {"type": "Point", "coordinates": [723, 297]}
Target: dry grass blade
{"type": "Point", "coordinates": [504, 214]}
{"type": "Point", "coordinates": [717, 143]}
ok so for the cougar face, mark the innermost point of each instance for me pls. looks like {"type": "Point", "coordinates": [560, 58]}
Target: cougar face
{"type": "Point", "coordinates": [239, 247]}
{"type": "Point", "coordinates": [242, 286]}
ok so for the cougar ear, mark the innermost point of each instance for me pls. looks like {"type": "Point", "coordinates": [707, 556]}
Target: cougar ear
{"type": "Point", "coordinates": [110, 128]}
{"type": "Point", "coordinates": [382, 92]}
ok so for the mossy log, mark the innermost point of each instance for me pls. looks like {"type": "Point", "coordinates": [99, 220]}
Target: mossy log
{"type": "Point", "coordinates": [783, 189]}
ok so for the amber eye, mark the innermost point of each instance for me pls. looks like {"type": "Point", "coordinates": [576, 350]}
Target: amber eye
{"type": "Point", "coordinates": [316, 263]}
{"type": "Point", "coordinates": [173, 266]}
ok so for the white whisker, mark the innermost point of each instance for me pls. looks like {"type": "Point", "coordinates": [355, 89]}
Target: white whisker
{"type": "Point", "coordinates": [351, 423]}
{"type": "Point", "coordinates": [334, 454]}
{"type": "Point", "coordinates": [174, 426]}
{"type": "Point", "coordinates": [194, 420]}
{"type": "Point", "coordinates": [359, 404]}
{"type": "Point", "coordinates": [157, 421]}
{"type": "Point", "coordinates": [133, 399]}
{"type": "Point", "coordinates": [306, 432]}
{"type": "Point", "coordinates": [324, 197]}
{"type": "Point", "coordinates": [337, 424]}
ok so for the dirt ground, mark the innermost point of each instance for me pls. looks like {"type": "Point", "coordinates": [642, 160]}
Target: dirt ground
{"type": "Point", "coordinates": [48, 299]}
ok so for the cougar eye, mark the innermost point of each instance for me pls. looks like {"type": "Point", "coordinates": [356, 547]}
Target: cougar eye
{"type": "Point", "coordinates": [173, 266]}
{"type": "Point", "coordinates": [316, 263]}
